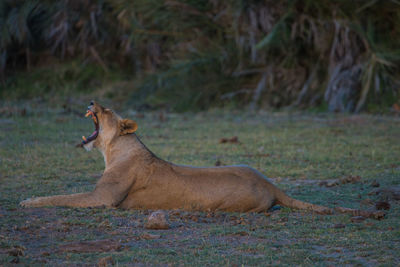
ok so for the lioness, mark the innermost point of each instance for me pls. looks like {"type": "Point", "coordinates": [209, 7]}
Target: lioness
{"type": "Point", "coordinates": [134, 178]}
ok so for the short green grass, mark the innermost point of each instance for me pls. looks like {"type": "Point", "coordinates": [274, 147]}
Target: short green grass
{"type": "Point", "coordinates": [38, 158]}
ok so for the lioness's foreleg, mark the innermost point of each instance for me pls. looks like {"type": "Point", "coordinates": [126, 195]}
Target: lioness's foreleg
{"type": "Point", "coordinates": [108, 195]}
{"type": "Point", "coordinates": [82, 200]}
{"type": "Point", "coordinates": [109, 192]}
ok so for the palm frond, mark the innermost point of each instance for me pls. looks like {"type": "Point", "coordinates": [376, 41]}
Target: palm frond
{"type": "Point", "coordinates": [305, 51]}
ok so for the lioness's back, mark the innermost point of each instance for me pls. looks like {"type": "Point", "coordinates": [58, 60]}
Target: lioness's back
{"type": "Point", "coordinates": [231, 188]}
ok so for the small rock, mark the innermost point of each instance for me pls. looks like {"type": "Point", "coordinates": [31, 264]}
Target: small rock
{"type": "Point", "coordinates": [357, 219]}
{"type": "Point", "coordinates": [106, 261]}
{"type": "Point", "coordinates": [157, 221]}
{"type": "Point", "coordinates": [375, 183]}
{"type": "Point", "coordinates": [382, 205]}
{"type": "Point", "coordinates": [339, 226]}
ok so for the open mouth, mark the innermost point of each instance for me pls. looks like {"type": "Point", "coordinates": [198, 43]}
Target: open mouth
{"type": "Point", "coordinates": [96, 131]}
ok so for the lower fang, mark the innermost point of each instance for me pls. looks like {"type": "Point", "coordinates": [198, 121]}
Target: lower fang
{"type": "Point", "coordinates": [84, 138]}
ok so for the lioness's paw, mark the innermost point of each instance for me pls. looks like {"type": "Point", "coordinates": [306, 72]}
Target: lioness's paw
{"type": "Point", "coordinates": [30, 202]}
{"type": "Point", "coordinates": [25, 203]}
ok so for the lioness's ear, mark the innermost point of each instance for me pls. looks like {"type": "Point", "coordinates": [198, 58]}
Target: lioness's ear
{"type": "Point", "coordinates": [127, 126]}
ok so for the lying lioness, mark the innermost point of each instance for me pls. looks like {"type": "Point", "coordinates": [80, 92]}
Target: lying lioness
{"type": "Point", "coordinates": [134, 178]}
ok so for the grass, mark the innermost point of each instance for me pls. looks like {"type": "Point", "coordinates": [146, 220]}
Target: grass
{"type": "Point", "coordinates": [297, 151]}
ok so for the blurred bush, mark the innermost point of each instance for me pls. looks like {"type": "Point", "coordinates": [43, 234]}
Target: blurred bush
{"type": "Point", "coordinates": [192, 54]}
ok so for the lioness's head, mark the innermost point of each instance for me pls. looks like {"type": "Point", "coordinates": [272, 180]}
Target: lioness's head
{"type": "Point", "coordinates": [108, 125]}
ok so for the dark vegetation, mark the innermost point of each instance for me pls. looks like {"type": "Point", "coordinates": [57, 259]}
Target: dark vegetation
{"type": "Point", "coordinates": [339, 55]}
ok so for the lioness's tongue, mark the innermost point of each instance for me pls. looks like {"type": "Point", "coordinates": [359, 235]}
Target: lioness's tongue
{"type": "Point", "coordinates": [90, 136]}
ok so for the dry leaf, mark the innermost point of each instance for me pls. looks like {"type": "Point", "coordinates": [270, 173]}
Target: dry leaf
{"type": "Point", "coordinates": [357, 219]}
{"type": "Point", "coordinates": [232, 140]}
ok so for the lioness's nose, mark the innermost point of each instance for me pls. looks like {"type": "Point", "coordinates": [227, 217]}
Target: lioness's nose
{"type": "Point", "coordinates": [91, 103]}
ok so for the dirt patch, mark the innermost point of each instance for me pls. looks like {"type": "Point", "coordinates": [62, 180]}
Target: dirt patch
{"type": "Point", "coordinates": [341, 181]}
{"type": "Point", "coordinates": [378, 215]}
{"type": "Point", "coordinates": [91, 246]}
{"type": "Point", "coordinates": [148, 236]}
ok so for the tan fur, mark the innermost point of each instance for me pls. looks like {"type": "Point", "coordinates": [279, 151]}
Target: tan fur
{"type": "Point", "coordinates": [134, 178]}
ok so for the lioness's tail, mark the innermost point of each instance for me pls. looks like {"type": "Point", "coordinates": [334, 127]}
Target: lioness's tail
{"type": "Point", "coordinates": [285, 200]}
